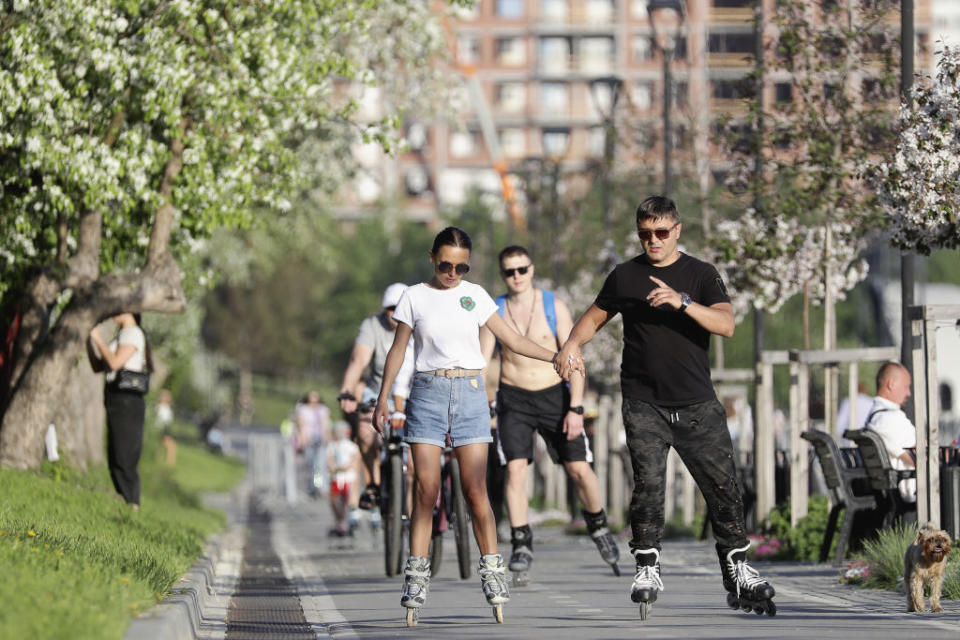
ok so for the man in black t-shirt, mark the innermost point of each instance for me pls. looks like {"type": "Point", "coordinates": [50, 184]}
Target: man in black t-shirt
{"type": "Point", "coordinates": [671, 303]}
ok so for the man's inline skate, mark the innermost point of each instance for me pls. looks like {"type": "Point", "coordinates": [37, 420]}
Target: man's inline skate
{"type": "Point", "coordinates": [745, 588]}
{"type": "Point", "coordinates": [493, 581]}
{"type": "Point", "coordinates": [522, 556]}
{"type": "Point", "coordinates": [416, 584]}
{"type": "Point", "coordinates": [646, 583]}
{"type": "Point", "coordinates": [601, 536]}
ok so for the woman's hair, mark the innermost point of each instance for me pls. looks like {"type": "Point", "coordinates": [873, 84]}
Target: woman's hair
{"type": "Point", "coordinates": [147, 355]}
{"type": "Point", "coordinates": [452, 237]}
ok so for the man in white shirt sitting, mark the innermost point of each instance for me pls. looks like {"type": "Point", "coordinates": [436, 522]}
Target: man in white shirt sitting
{"type": "Point", "coordinates": [887, 418]}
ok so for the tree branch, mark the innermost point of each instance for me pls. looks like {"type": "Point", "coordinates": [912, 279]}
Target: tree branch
{"type": "Point", "coordinates": [163, 219]}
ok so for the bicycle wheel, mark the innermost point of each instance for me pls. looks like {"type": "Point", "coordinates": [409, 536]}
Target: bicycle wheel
{"type": "Point", "coordinates": [459, 520]}
{"type": "Point", "coordinates": [393, 517]}
{"type": "Point", "coordinates": [436, 553]}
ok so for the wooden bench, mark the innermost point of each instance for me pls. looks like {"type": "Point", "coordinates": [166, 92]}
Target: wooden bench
{"type": "Point", "coordinates": [839, 477]}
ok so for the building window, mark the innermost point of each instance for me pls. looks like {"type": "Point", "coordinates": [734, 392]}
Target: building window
{"type": "Point", "coordinates": [554, 99]}
{"type": "Point", "coordinates": [728, 89]}
{"type": "Point", "coordinates": [468, 48]}
{"type": "Point", "coordinates": [731, 43]}
{"type": "Point", "coordinates": [596, 143]}
{"type": "Point", "coordinates": [554, 54]}
{"type": "Point", "coordinates": [783, 92]}
{"type": "Point", "coordinates": [641, 95]}
{"type": "Point", "coordinates": [513, 143]}
{"type": "Point", "coordinates": [641, 48]}
{"type": "Point", "coordinates": [509, 8]}
{"type": "Point", "coordinates": [511, 97]}
{"type": "Point", "coordinates": [596, 55]}
{"type": "Point", "coordinates": [463, 144]}
{"type": "Point", "coordinates": [681, 91]}
{"type": "Point", "coordinates": [554, 10]}
{"type": "Point", "coordinates": [511, 52]}
{"type": "Point", "coordinates": [599, 11]}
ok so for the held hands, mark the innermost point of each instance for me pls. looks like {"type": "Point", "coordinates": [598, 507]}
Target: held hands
{"type": "Point", "coordinates": [568, 360]}
{"type": "Point", "coordinates": [663, 295]}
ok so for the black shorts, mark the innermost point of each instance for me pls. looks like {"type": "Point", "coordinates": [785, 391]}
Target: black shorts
{"type": "Point", "coordinates": [520, 413]}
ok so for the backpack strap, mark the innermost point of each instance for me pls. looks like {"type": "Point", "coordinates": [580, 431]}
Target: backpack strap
{"type": "Point", "coordinates": [873, 413]}
{"type": "Point", "coordinates": [550, 310]}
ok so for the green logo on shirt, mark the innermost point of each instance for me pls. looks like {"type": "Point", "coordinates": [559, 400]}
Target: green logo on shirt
{"type": "Point", "coordinates": [467, 303]}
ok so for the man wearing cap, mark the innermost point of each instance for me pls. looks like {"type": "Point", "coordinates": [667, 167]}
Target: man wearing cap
{"type": "Point", "coordinates": [370, 348]}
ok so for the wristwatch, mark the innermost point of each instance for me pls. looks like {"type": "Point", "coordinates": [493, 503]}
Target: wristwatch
{"type": "Point", "coordinates": [685, 301]}
{"type": "Point", "coordinates": [577, 410]}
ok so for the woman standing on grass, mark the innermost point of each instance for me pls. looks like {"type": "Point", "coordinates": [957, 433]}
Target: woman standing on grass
{"type": "Point", "coordinates": [444, 316]}
{"type": "Point", "coordinates": [128, 351]}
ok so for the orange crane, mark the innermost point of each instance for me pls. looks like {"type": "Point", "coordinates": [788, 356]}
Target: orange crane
{"type": "Point", "coordinates": [492, 141]}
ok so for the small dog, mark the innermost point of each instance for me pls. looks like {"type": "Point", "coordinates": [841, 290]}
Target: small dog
{"type": "Point", "coordinates": [925, 563]}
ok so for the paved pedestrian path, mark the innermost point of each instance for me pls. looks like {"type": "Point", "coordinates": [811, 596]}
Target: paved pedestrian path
{"type": "Point", "coordinates": [290, 580]}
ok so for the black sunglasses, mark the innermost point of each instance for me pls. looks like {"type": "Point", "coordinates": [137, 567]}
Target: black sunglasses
{"type": "Point", "coordinates": [508, 273]}
{"type": "Point", "coordinates": [446, 267]}
{"type": "Point", "coordinates": [662, 234]}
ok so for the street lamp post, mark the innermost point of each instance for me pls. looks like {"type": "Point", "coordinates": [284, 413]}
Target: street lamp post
{"type": "Point", "coordinates": [556, 142]}
{"type": "Point", "coordinates": [611, 85]}
{"type": "Point", "coordinates": [663, 15]}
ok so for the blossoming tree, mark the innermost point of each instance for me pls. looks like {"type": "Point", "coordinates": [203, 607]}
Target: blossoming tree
{"type": "Point", "coordinates": [131, 131]}
{"type": "Point", "coordinates": [813, 211]}
{"type": "Point", "coordinates": [919, 187]}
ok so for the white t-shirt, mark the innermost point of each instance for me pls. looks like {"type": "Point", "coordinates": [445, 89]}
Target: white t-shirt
{"type": "Point", "coordinates": [446, 324]}
{"type": "Point", "coordinates": [897, 433]}
{"type": "Point", "coordinates": [376, 334]}
{"type": "Point", "coordinates": [340, 454]}
{"type": "Point", "coordinates": [133, 336]}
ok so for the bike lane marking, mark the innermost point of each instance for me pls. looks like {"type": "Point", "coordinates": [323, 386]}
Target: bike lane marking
{"type": "Point", "coordinates": [318, 605]}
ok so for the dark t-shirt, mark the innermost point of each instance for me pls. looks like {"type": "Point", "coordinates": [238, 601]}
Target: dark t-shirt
{"type": "Point", "coordinates": [665, 352]}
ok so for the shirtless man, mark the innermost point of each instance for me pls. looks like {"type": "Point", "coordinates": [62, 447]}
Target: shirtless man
{"type": "Point", "coordinates": [533, 398]}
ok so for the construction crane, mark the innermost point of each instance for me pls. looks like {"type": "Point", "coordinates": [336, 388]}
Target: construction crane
{"type": "Point", "coordinates": [492, 142]}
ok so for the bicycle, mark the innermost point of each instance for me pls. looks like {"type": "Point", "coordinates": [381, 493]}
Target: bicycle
{"type": "Point", "coordinates": [450, 510]}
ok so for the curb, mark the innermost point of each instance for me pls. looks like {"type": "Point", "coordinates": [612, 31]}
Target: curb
{"type": "Point", "coordinates": [197, 605]}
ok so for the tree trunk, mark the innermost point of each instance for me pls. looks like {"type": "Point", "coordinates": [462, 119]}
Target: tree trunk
{"type": "Point", "coordinates": [53, 387]}
{"type": "Point", "coordinates": [38, 399]}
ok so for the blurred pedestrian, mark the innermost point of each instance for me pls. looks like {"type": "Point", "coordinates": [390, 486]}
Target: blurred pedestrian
{"type": "Point", "coordinates": [313, 426]}
{"type": "Point", "coordinates": [165, 422]}
{"type": "Point", "coordinates": [128, 364]}
{"type": "Point", "coordinates": [343, 460]}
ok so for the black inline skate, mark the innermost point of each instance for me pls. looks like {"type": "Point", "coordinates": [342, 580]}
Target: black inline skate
{"type": "Point", "coordinates": [522, 556]}
{"type": "Point", "coordinates": [646, 583]}
{"type": "Point", "coordinates": [601, 536]}
{"type": "Point", "coordinates": [746, 590]}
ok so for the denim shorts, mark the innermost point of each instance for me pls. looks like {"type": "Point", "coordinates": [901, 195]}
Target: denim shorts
{"type": "Point", "coordinates": [438, 406]}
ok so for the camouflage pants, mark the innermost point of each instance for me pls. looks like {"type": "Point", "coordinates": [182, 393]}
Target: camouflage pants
{"type": "Point", "coordinates": [699, 434]}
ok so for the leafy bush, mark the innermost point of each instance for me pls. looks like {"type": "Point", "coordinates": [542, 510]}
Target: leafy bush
{"type": "Point", "coordinates": [880, 564]}
{"type": "Point", "coordinates": [786, 542]}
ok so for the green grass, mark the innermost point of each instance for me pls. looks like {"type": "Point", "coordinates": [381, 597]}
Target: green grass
{"type": "Point", "coordinates": [79, 563]}
{"type": "Point", "coordinates": [883, 559]}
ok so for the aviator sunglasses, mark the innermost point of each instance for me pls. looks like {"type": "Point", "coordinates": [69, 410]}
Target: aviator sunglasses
{"type": "Point", "coordinates": [508, 273]}
{"type": "Point", "coordinates": [662, 234]}
{"type": "Point", "coordinates": [446, 267]}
